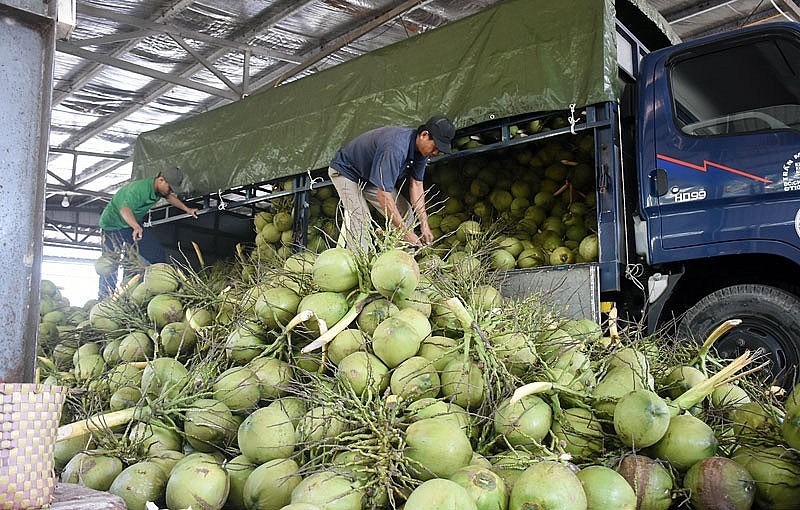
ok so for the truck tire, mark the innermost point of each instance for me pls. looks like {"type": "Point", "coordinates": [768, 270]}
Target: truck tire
{"type": "Point", "coordinates": [770, 321]}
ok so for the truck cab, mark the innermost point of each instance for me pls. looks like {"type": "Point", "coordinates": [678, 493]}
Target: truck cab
{"type": "Point", "coordinates": [716, 225]}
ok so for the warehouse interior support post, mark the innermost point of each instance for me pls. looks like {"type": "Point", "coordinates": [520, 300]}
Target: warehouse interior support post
{"type": "Point", "coordinates": [27, 43]}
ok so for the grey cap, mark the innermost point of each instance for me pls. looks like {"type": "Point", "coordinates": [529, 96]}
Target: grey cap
{"type": "Point", "coordinates": [442, 131]}
{"type": "Point", "coordinates": [174, 178]}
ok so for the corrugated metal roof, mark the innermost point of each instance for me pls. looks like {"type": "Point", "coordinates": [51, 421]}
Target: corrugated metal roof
{"type": "Point", "coordinates": [131, 66]}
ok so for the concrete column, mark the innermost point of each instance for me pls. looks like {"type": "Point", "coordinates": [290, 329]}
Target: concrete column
{"type": "Point", "coordinates": [27, 42]}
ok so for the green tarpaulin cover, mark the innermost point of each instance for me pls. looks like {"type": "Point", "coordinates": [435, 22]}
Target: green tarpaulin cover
{"type": "Point", "coordinates": [518, 57]}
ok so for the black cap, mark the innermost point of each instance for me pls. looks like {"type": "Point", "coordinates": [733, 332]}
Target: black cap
{"type": "Point", "coordinates": [442, 131]}
{"type": "Point", "coordinates": [174, 178]}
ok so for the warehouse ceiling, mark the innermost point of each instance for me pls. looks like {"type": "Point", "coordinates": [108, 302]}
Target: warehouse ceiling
{"type": "Point", "coordinates": [130, 66]}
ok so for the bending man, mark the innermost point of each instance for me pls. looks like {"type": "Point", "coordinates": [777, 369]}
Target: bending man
{"type": "Point", "coordinates": [371, 168]}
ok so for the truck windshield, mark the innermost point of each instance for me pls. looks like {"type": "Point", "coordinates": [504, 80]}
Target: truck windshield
{"type": "Point", "coordinates": [751, 87]}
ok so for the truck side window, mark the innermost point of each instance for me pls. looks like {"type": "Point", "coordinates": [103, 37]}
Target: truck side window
{"type": "Point", "coordinates": [750, 87]}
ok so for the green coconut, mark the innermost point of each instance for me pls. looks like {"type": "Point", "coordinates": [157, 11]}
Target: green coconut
{"type": "Point", "coordinates": [515, 350]}
{"type": "Point", "coordinates": [199, 484]}
{"type": "Point", "coordinates": [328, 306]}
{"type": "Point", "coordinates": [651, 481]}
{"type": "Point", "coordinates": [415, 378]}
{"type": "Point", "coordinates": [139, 483]}
{"type": "Point", "coordinates": [161, 278]}
{"type": "Point", "coordinates": [729, 395]}
{"type": "Point", "coordinates": [436, 448]}
{"type": "Point", "coordinates": [345, 343]}
{"type": "Point", "coordinates": [266, 434]}
{"type": "Point", "coordinates": [124, 398]}
{"type": "Point", "coordinates": [89, 367]}
{"type": "Point", "coordinates": [776, 472]}
{"type": "Point", "coordinates": [270, 485]}
{"type": "Point", "coordinates": [440, 494]}
{"type": "Point", "coordinates": [374, 313]}
{"type": "Point", "coordinates": [790, 429]}
{"type": "Point", "coordinates": [641, 418]}
{"type": "Point", "coordinates": [154, 436]}
{"type": "Point", "coordinates": [680, 379]}
{"type": "Point", "coordinates": [395, 274]}
{"type": "Point", "coordinates": [66, 449]}
{"type": "Point", "coordinates": [416, 319]}
{"type": "Point", "coordinates": [434, 408]}
{"type": "Point", "coordinates": [198, 318]}
{"type": "Point", "coordinates": [245, 342]}
{"type": "Point", "coordinates": [276, 306]}
{"type": "Point", "coordinates": [208, 424]}
{"type": "Point", "coordinates": [509, 465]}
{"type": "Point", "coordinates": [274, 376]}
{"type": "Point", "coordinates": [719, 482]}
{"type": "Point", "coordinates": [606, 489]}
{"type": "Point", "coordinates": [362, 370]}
{"type": "Point", "coordinates": [418, 300]}
{"type": "Point", "coordinates": [104, 316]}
{"type": "Point", "coordinates": [439, 350]}
{"type": "Point", "coordinates": [135, 346]}
{"type": "Point", "coordinates": [484, 486]}
{"type": "Point", "coordinates": [239, 470]}
{"type": "Point", "coordinates": [166, 459]}
{"type": "Point", "coordinates": [238, 388]}
{"type": "Point", "coordinates": [463, 383]}
{"type": "Point", "coordinates": [163, 309]}
{"type": "Point", "coordinates": [177, 338]}
{"type": "Point", "coordinates": [618, 381]}
{"type": "Point", "coordinates": [579, 432]}
{"type": "Point", "coordinates": [320, 423]}
{"type": "Point", "coordinates": [165, 377]}
{"type": "Point", "coordinates": [335, 270]}
{"type": "Point", "coordinates": [548, 485]}
{"type": "Point", "coordinates": [687, 440]}
{"type": "Point", "coordinates": [95, 469]}
{"type": "Point", "coordinates": [525, 422]}
{"type": "Point", "coordinates": [293, 407]}
{"type": "Point", "coordinates": [329, 491]}
{"type": "Point", "coordinates": [395, 340]}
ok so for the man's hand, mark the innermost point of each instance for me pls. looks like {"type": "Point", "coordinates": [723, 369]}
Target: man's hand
{"type": "Point", "coordinates": [427, 235]}
{"type": "Point", "coordinates": [137, 232]}
{"type": "Point", "coordinates": [192, 211]}
{"type": "Point", "coordinates": [412, 238]}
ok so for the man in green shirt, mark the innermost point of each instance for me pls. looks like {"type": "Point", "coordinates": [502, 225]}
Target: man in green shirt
{"type": "Point", "coordinates": [120, 222]}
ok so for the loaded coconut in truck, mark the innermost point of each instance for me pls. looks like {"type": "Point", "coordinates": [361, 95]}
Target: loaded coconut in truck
{"type": "Point", "coordinates": [665, 173]}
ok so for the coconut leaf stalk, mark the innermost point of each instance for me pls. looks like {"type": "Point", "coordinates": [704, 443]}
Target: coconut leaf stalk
{"type": "Point", "coordinates": [100, 423]}
{"type": "Point", "coordinates": [328, 335]}
{"type": "Point", "coordinates": [702, 353]}
{"type": "Point", "coordinates": [701, 390]}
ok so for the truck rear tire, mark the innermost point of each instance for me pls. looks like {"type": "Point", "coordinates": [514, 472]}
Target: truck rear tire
{"type": "Point", "coordinates": [770, 321]}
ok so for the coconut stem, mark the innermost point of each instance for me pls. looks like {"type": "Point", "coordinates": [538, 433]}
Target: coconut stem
{"type": "Point", "coordinates": [465, 319]}
{"type": "Point", "coordinates": [199, 254]}
{"type": "Point", "coordinates": [720, 330]}
{"type": "Point", "coordinates": [361, 300]}
{"type": "Point", "coordinates": [96, 423]}
{"type": "Point", "coordinates": [541, 387]}
{"type": "Point", "coordinates": [701, 390]}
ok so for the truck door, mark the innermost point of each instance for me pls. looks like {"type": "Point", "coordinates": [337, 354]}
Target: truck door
{"type": "Point", "coordinates": [725, 138]}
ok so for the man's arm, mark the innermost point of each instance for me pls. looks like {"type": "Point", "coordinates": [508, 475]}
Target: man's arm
{"type": "Point", "coordinates": [175, 201]}
{"type": "Point", "coordinates": [127, 215]}
{"type": "Point", "coordinates": [416, 192]}
{"type": "Point", "coordinates": [389, 206]}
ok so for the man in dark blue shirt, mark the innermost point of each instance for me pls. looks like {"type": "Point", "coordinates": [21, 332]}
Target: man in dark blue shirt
{"type": "Point", "coordinates": [371, 169]}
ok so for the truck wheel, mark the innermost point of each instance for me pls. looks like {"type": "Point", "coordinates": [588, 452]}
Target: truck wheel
{"type": "Point", "coordinates": [770, 321]}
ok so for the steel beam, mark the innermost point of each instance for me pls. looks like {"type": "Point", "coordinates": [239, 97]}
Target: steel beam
{"type": "Point", "coordinates": [26, 66]}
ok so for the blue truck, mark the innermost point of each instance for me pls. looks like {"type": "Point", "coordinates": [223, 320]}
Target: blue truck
{"type": "Point", "coordinates": [710, 185]}
{"type": "Point", "coordinates": [695, 147]}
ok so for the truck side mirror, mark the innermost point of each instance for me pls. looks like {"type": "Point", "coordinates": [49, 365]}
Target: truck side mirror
{"type": "Point", "coordinates": [658, 180]}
